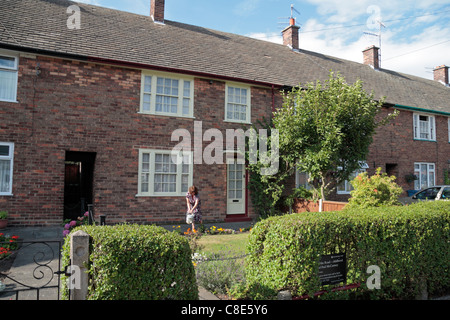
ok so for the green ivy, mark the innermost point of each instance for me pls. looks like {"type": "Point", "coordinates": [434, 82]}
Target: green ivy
{"type": "Point", "coordinates": [131, 262]}
{"type": "Point", "coordinates": [446, 177]}
{"type": "Point", "coordinates": [410, 244]}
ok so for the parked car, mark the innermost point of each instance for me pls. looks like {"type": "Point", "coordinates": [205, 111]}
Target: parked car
{"type": "Point", "coordinates": [433, 193]}
{"type": "Point", "coordinates": [428, 194]}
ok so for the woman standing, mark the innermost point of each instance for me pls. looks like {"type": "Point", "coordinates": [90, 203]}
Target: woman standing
{"type": "Point", "coordinates": [193, 206]}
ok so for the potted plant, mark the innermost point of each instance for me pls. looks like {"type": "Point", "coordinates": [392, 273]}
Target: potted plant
{"type": "Point", "coordinates": [3, 219]}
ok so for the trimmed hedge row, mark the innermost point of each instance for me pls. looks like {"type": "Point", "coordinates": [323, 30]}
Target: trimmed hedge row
{"type": "Point", "coordinates": [410, 244]}
{"type": "Point", "coordinates": [131, 262]}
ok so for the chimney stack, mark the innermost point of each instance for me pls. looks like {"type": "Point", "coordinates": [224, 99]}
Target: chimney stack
{"type": "Point", "coordinates": [441, 74]}
{"type": "Point", "coordinates": [290, 35]}
{"type": "Point", "coordinates": [157, 10]}
{"type": "Point", "coordinates": [372, 57]}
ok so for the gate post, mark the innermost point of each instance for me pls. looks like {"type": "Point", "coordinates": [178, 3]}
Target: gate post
{"type": "Point", "coordinates": [79, 256]}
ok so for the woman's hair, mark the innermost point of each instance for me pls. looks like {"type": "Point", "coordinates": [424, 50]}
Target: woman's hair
{"type": "Point", "coordinates": [193, 190]}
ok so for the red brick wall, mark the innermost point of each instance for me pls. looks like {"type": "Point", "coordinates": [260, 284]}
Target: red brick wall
{"type": "Point", "coordinates": [78, 106]}
{"type": "Point", "coordinates": [395, 144]}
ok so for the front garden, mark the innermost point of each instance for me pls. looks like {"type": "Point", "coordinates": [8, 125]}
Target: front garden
{"type": "Point", "coordinates": [409, 245]}
{"type": "Point", "coordinates": [8, 247]}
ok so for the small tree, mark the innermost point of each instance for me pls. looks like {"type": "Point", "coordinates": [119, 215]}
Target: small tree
{"type": "Point", "coordinates": [375, 191]}
{"type": "Point", "coordinates": [326, 129]}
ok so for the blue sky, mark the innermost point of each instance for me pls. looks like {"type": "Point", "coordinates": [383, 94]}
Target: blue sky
{"type": "Point", "coordinates": [415, 40]}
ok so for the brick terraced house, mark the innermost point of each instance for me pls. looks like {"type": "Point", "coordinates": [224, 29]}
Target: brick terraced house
{"type": "Point", "coordinates": [90, 97]}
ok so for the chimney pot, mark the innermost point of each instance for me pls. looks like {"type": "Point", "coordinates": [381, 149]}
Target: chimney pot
{"type": "Point", "coordinates": [291, 35]}
{"type": "Point", "coordinates": [157, 8]}
{"type": "Point", "coordinates": [441, 74]}
{"type": "Point", "coordinates": [372, 57]}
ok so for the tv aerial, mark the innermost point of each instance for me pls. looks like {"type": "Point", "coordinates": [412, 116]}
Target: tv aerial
{"type": "Point", "coordinates": [291, 19]}
{"type": "Point", "coordinates": [381, 26]}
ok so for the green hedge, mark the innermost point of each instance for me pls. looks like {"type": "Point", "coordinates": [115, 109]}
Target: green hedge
{"type": "Point", "coordinates": [408, 243]}
{"type": "Point", "coordinates": [130, 262]}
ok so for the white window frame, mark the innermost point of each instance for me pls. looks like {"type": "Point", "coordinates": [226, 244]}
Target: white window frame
{"type": "Point", "coordinates": [347, 183]}
{"type": "Point", "coordinates": [9, 157]}
{"type": "Point", "coordinates": [247, 103]}
{"type": "Point", "coordinates": [430, 129]}
{"type": "Point", "coordinates": [298, 178]}
{"type": "Point", "coordinates": [151, 173]}
{"type": "Point", "coordinates": [449, 130]}
{"type": "Point", "coordinates": [431, 171]}
{"type": "Point", "coordinates": [14, 70]}
{"type": "Point", "coordinates": [182, 96]}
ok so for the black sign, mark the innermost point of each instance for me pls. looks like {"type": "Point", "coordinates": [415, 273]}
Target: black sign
{"type": "Point", "coordinates": [333, 269]}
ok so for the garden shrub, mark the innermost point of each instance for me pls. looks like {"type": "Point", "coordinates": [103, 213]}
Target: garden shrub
{"type": "Point", "coordinates": [410, 244]}
{"type": "Point", "coordinates": [374, 191]}
{"type": "Point", "coordinates": [131, 262]}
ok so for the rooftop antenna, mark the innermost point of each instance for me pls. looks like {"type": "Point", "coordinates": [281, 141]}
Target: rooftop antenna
{"type": "Point", "coordinates": [381, 25]}
{"type": "Point", "coordinates": [291, 19]}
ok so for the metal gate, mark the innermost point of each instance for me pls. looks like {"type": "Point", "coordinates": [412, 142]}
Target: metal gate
{"type": "Point", "coordinates": [35, 273]}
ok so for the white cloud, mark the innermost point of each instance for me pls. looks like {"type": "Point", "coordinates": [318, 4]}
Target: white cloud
{"type": "Point", "coordinates": [274, 37]}
{"type": "Point", "coordinates": [417, 55]}
{"type": "Point", "coordinates": [414, 39]}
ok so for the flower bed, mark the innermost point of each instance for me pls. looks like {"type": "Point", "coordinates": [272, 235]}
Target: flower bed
{"type": "Point", "coordinates": [7, 245]}
{"type": "Point", "coordinates": [69, 225]}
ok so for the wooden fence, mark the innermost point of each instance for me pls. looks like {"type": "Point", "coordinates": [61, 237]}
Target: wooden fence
{"type": "Point", "coordinates": [301, 205]}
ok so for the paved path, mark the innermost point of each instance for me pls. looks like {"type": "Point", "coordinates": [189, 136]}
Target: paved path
{"type": "Point", "coordinates": [35, 263]}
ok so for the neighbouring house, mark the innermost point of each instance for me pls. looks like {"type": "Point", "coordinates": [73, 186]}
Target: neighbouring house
{"type": "Point", "coordinates": [90, 98]}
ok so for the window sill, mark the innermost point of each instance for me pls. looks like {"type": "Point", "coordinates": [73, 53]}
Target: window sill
{"type": "Point", "coordinates": [9, 101]}
{"type": "Point", "coordinates": [160, 196]}
{"type": "Point", "coordinates": [235, 121]}
{"type": "Point", "coordinates": [6, 195]}
{"type": "Point", "coordinates": [167, 115]}
{"type": "Point", "coordinates": [424, 140]}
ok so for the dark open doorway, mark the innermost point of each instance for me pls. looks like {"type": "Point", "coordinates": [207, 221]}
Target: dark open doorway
{"type": "Point", "coordinates": [78, 183]}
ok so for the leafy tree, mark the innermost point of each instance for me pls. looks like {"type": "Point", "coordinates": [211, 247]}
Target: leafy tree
{"type": "Point", "coordinates": [326, 129]}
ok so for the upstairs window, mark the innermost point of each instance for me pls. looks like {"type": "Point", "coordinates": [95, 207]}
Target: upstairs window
{"type": "Point", "coordinates": [6, 168]}
{"type": "Point", "coordinates": [164, 94]}
{"type": "Point", "coordinates": [424, 127]}
{"type": "Point", "coordinates": [237, 104]}
{"type": "Point", "coordinates": [8, 78]}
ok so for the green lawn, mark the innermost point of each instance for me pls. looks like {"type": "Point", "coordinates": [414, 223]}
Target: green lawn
{"type": "Point", "coordinates": [233, 243]}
